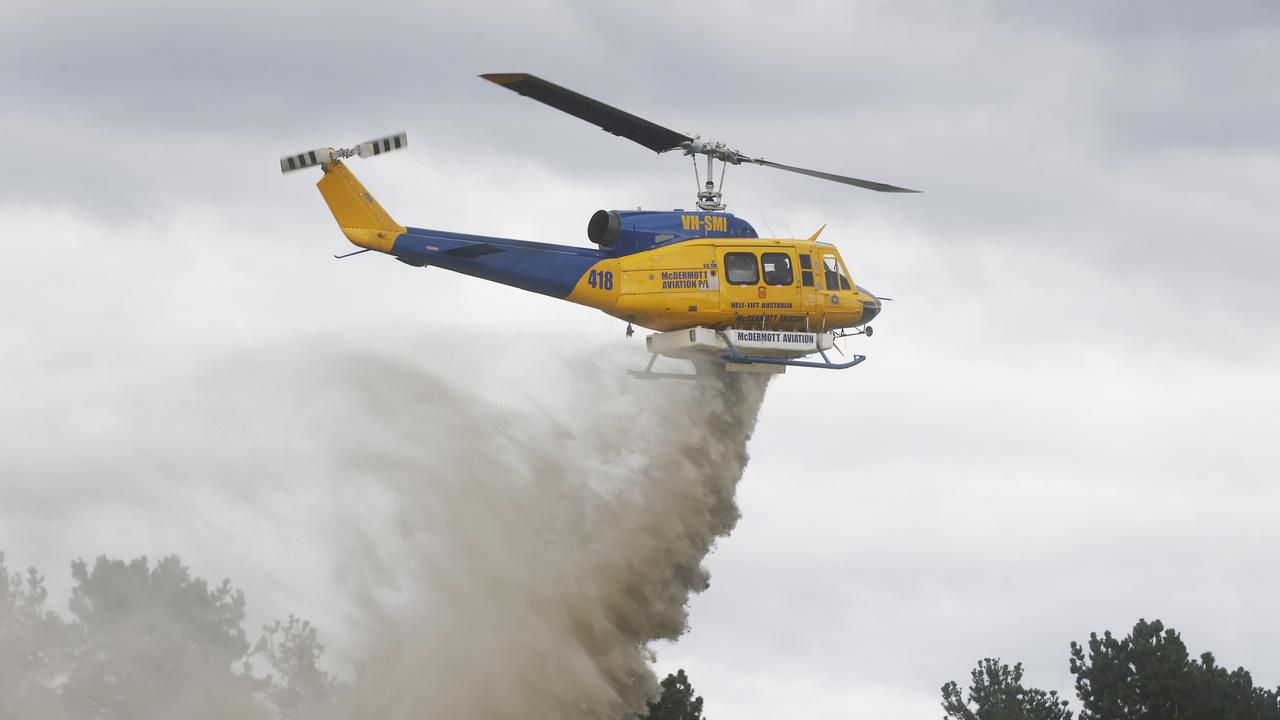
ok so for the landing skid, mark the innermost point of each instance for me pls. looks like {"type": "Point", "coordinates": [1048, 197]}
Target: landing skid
{"type": "Point", "coordinates": [648, 374]}
{"type": "Point", "coordinates": [748, 351]}
{"type": "Point", "coordinates": [734, 356]}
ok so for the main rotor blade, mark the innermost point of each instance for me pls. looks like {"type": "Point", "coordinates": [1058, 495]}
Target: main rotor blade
{"type": "Point", "coordinates": [868, 184]}
{"type": "Point", "coordinates": [610, 119]}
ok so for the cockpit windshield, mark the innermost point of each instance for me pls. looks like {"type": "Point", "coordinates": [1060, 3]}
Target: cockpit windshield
{"type": "Point", "coordinates": [835, 275]}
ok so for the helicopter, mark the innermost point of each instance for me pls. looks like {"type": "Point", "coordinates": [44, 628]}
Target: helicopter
{"type": "Point", "coordinates": [703, 280]}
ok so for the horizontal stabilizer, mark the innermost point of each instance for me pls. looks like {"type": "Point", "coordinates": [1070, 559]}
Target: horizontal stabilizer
{"type": "Point", "coordinates": [473, 251]}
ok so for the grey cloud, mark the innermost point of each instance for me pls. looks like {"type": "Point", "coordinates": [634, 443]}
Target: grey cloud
{"type": "Point", "coordinates": [1021, 127]}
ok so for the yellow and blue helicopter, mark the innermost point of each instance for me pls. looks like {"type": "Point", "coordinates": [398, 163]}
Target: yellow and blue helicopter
{"type": "Point", "coordinates": [704, 280]}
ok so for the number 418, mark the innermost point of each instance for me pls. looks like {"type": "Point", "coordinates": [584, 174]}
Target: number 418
{"type": "Point", "coordinates": [602, 280]}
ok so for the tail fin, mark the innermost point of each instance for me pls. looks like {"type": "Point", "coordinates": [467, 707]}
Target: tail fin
{"type": "Point", "coordinates": [361, 218]}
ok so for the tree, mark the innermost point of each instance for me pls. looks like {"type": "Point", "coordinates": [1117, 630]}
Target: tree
{"type": "Point", "coordinates": [1232, 694]}
{"type": "Point", "coordinates": [151, 642]}
{"type": "Point", "coordinates": [997, 693]}
{"type": "Point", "coordinates": [1148, 675]}
{"type": "Point", "coordinates": [299, 687]}
{"type": "Point", "coordinates": [677, 701]}
{"type": "Point", "coordinates": [156, 643]}
{"type": "Point", "coordinates": [33, 645]}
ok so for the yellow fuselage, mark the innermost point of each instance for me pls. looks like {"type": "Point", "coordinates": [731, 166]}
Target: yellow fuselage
{"type": "Point", "coordinates": [685, 285]}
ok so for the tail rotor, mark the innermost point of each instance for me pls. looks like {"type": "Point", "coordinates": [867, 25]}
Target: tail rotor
{"type": "Point", "coordinates": [324, 156]}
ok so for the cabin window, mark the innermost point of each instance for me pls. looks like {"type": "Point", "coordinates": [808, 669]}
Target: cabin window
{"type": "Point", "coordinates": [740, 268]}
{"type": "Point", "coordinates": [806, 269]}
{"type": "Point", "coordinates": [777, 269]}
{"type": "Point", "coordinates": [835, 277]}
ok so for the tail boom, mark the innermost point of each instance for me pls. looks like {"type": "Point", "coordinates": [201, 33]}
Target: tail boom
{"type": "Point", "coordinates": [561, 271]}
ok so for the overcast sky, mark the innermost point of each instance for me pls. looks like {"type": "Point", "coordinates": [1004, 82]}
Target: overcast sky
{"type": "Point", "coordinates": [1067, 420]}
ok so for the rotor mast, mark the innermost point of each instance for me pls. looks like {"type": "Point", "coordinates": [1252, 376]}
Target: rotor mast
{"type": "Point", "coordinates": [710, 195]}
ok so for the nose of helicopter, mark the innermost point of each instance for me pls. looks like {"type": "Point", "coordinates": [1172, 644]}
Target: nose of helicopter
{"type": "Point", "coordinates": [870, 310]}
{"type": "Point", "coordinates": [870, 305]}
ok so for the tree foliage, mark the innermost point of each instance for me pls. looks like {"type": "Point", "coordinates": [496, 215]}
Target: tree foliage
{"type": "Point", "coordinates": [155, 642]}
{"type": "Point", "coordinates": [997, 693]}
{"type": "Point", "coordinates": [150, 641]}
{"type": "Point", "coordinates": [299, 687]}
{"type": "Point", "coordinates": [34, 643]}
{"type": "Point", "coordinates": [677, 701]}
{"type": "Point", "coordinates": [1148, 675]}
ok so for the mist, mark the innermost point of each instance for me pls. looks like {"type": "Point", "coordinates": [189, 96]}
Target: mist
{"type": "Point", "coordinates": [490, 556]}
{"type": "Point", "coordinates": [535, 560]}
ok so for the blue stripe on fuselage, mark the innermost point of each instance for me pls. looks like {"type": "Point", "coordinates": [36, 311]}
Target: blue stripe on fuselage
{"type": "Point", "coordinates": [539, 267]}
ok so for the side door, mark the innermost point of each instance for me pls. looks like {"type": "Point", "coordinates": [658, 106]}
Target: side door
{"type": "Point", "coordinates": [808, 278]}
{"type": "Point", "coordinates": [779, 292]}
{"type": "Point", "coordinates": [836, 296]}
{"type": "Point", "coordinates": [740, 279]}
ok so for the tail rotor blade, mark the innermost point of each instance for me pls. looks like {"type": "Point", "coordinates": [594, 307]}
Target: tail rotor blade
{"type": "Point", "coordinates": [310, 158]}
{"type": "Point", "coordinates": [382, 145]}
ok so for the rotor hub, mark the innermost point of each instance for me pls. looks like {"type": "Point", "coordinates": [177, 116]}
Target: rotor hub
{"type": "Point", "coordinates": [710, 199]}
